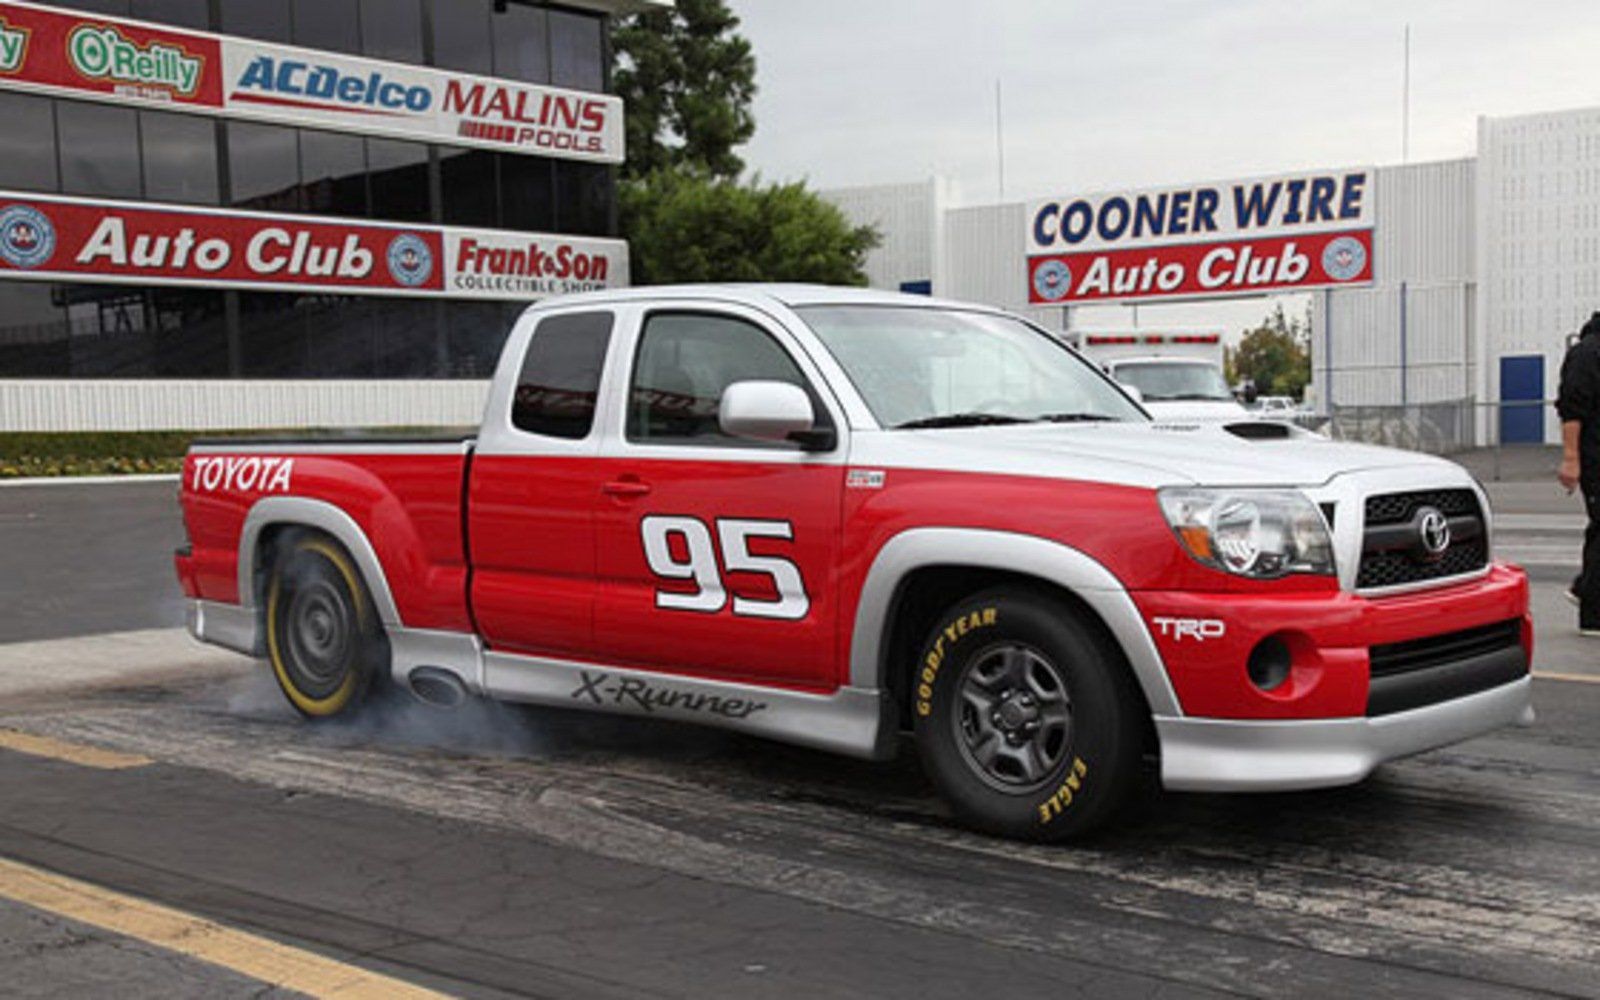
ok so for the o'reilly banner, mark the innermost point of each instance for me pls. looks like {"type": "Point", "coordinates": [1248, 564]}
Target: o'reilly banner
{"type": "Point", "coordinates": [130, 62]}
{"type": "Point", "coordinates": [52, 238]}
{"type": "Point", "coordinates": [1228, 238]}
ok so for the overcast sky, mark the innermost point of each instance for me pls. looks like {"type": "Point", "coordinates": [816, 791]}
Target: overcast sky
{"type": "Point", "coordinates": [1129, 93]}
{"type": "Point", "coordinates": [1121, 93]}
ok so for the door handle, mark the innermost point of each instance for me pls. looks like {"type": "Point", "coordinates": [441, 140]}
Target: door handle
{"type": "Point", "coordinates": [625, 488]}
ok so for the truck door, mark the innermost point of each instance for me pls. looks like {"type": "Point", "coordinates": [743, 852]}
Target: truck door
{"type": "Point", "coordinates": [533, 488]}
{"type": "Point", "coordinates": [717, 556]}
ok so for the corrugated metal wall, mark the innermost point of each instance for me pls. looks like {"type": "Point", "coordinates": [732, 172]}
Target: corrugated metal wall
{"type": "Point", "coordinates": [133, 405]}
{"type": "Point", "coordinates": [1423, 254]}
{"type": "Point", "coordinates": [907, 218]}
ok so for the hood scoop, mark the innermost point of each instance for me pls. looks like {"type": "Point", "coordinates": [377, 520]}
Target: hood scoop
{"type": "Point", "coordinates": [1260, 430]}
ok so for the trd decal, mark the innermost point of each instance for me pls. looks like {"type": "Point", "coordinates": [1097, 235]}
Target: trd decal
{"type": "Point", "coordinates": [1198, 629]}
{"type": "Point", "coordinates": [702, 568]}
{"type": "Point", "coordinates": [639, 694]}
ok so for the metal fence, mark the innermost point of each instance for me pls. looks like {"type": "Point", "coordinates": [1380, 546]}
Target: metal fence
{"type": "Point", "coordinates": [1509, 434]}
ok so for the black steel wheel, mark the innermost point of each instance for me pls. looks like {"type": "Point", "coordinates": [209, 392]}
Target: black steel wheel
{"type": "Point", "coordinates": [323, 637]}
{"type": "Point", "coordinates": [1027, 719]}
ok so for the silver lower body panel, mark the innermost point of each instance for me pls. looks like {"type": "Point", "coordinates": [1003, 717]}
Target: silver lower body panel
{"type": "Point", "coordinates": [1244, 755]}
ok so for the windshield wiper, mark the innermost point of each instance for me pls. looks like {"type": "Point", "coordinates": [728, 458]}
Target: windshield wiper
{"type": "Point", "coordinates": [1074, 418]}
{"type": "Point", "coordinates": [960, 420]}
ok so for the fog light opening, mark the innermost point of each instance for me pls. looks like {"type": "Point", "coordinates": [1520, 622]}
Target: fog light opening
{"type": "Point", "coordinates": [1269, 663]}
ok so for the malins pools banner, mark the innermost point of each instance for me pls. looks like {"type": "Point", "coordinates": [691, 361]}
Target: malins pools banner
{"type": "Point", "coordinates": [1269, 234]}
{"type": "Point", "coordinates": [73, 54]}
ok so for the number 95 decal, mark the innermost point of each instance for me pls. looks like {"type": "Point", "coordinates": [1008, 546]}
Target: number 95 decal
{"type": "Point", "coordinates": [703, 569]}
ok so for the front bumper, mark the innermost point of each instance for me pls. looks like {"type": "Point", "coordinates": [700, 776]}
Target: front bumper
{"type": "Point", "coordinates": [1248, 755]}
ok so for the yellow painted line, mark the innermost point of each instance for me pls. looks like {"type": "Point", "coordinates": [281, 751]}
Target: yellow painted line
{"type": "Point", "coordinates": [259, 958]}
{"type": "Point", "coordinates": [72, 753]}
{"type": "Point", "coordinates": [1575, 678]}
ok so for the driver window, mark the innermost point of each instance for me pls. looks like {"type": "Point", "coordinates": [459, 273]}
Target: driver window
{"type": "Point", "coordinates": [685, 361]}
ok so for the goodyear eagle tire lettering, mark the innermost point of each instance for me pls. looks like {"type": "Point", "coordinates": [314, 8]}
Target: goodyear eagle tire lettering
{"type": "Point", "coordinates": [1026, 717]}
{"type": "Point", "coordinates": [324, 641]}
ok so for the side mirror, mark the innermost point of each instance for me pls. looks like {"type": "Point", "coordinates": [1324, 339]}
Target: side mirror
{"type": "Point", "coordinates": [771, 411]}
{"type": "Point", "coordinates": [1132, 390]}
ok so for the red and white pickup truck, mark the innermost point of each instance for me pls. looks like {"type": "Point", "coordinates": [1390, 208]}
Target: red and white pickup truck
{"type": "Point", "coordinates": [833, 516]}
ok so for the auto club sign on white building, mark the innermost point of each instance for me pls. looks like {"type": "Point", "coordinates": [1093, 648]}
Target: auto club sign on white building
{"type": "Point", "coordinates": [1292, 232]}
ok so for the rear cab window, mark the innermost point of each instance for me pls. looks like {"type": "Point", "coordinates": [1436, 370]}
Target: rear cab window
{"type": "Point", "coordinates": [558, 387]}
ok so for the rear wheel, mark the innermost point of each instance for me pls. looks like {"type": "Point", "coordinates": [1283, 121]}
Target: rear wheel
{"type": "Point", "coordinates": [1026, 718]}
{"type": "Point", "coordinates": [323, 637]}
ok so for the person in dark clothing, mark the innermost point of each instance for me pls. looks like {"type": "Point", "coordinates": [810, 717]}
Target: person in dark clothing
{"type": "Point", "coordinates": [1579, 407]}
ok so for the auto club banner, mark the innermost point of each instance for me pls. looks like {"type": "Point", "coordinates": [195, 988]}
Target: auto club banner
{"type": "Point", "coordinates": [72, 54]}
{"type": "Point", "coordinates": [72, 239]}
{"type": "Point", "coordinates": [1291, 232]}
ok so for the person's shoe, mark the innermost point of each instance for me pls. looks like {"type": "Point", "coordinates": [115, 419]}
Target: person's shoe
{"type": "Point", "coordinates": [1589, 632]}
{"type": "Point", "coordinates": [1571, 594]}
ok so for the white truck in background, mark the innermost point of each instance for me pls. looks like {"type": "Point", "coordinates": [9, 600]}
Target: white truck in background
{"type": "Point", "coordinates": [1178, 372]}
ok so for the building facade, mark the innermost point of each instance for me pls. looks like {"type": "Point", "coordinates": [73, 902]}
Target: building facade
{"type": "Point", "coordinates": [1481, 270]}
{"type": "Point", "coordinates": [372, 190]}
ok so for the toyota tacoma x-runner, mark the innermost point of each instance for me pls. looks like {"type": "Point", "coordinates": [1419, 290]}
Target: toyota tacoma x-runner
{"type": "Point", "coordinates": [835, 517]}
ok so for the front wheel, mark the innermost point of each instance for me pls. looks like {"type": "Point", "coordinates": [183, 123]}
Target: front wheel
{"type": "Point", "coordinates": [1026, 719]}
{"type": "Point", "coordinates": [323, 637]}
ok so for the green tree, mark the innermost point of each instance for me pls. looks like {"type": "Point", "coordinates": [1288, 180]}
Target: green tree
{"type": "Point", "coordinates": [684, 227]}
{"type": "Point", "coordinates": [1275, 355]}
{"type": "Point", "coordinates": [686, 81]}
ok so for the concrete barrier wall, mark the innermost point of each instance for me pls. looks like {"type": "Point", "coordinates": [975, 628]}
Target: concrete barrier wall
{"type": "Point", "coordinates": [218, 404]}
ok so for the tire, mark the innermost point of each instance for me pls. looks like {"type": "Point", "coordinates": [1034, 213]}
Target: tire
{"type": "Point", "coordinates": [1026, 718]}
{"type": "Point", "coordinates": [324, 640]}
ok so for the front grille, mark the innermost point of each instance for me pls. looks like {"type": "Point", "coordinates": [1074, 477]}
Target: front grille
{"type": "Point", "coordinates": [1407, 675]}
{"type": "Point", "coordinates": [1391, 552]}
{"type": "Point", "coordinates": [1420, 654]}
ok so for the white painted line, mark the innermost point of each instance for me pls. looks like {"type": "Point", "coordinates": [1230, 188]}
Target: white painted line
{"type": "Point", "coordinates": [110, 660]}
{"type": "Point", "coordinates": [1550, 675]}
{"type": "Point", "coordinates": [153, 477]}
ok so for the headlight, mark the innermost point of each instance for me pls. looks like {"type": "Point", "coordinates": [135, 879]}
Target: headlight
{"type": "Point", "coordinates": [1262, 534]}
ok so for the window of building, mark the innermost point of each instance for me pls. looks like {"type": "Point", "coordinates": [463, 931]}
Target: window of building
{"type": "Point", "coordinates": [461, 36]}
{"type": "Point", "coordinates": [188, 333]}
{"type": "Point", "coordinates": [474, 334]}
{"type": "Point", "coordinates": [398, 172]}
{"type": "Point", "coordinates": [29, 162]}
{"type": "Point", "coordinates": [99, 149]}
{"type": "Point", "coordinates": [183, 13]}
{"type": "Point", "coordinates": [267, 20]}
{"type": "Point", "coordinates": [33, 331]}
{"type": "Point", "coordinates": [112, 8]}
{"type": "Point", "coordinates": [264, 167]}
{"type": "Point", "coordinates": [521, 42]}
{"type": "Point", "coordinates": [333, 173]}
{"type": "Point", "coordinates": [470, 187]}
{"type": "Point", "coordinates": [392, 29]}
{"type": "Point", "coordinates": [406, 341]}
{"type": "Point", "coordinates": [685, 361]}
{"type": "Point", "coordinates": [526, 193]}
{"type": "Point", "coordinates": [576, 50]}
{"type": "Point", "coordinates": [560, 380]}
{"type": "Point", "coordinates": [180, 157]}
{"type": "Point", "coordinates": [583, 198]}
{"type": "Point", "coordinates": [332, 25]}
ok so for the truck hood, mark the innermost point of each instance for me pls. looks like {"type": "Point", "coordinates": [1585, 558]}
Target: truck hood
{"type": "Point", "coordinates": [1149, 455]}
{"type": "Point", "coordinates": [1212, 410]}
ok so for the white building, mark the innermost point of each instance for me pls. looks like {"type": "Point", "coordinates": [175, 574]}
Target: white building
{"type": "Point", "coordinates": [1483, 267]}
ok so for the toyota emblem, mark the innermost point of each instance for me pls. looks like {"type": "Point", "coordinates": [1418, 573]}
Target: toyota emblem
{"type": "Point", "coordinates": [1433, 531]}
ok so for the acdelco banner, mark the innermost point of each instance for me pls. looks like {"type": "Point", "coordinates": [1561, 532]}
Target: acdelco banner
{"type": "Point", "coordinates": [54, 238]}
{"type": "Point", "coordinates": [1295, 231]}
{"type": "Point", "coordinates": [129, 62]}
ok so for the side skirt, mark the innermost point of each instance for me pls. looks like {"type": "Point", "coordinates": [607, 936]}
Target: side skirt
{"type": "Point", "coordinates": [856, 722]}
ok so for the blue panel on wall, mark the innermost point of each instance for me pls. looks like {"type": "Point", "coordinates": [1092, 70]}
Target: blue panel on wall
{"type": "Point", "coordinates": [924, 287]}
{"type": "Point", "coordinates": [1522, 399]}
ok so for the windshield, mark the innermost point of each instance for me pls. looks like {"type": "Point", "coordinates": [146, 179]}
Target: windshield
{"type": "Point", "coordinates": [1166, 380]}
{"type": "Point", "coordinates": [938, 367]}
